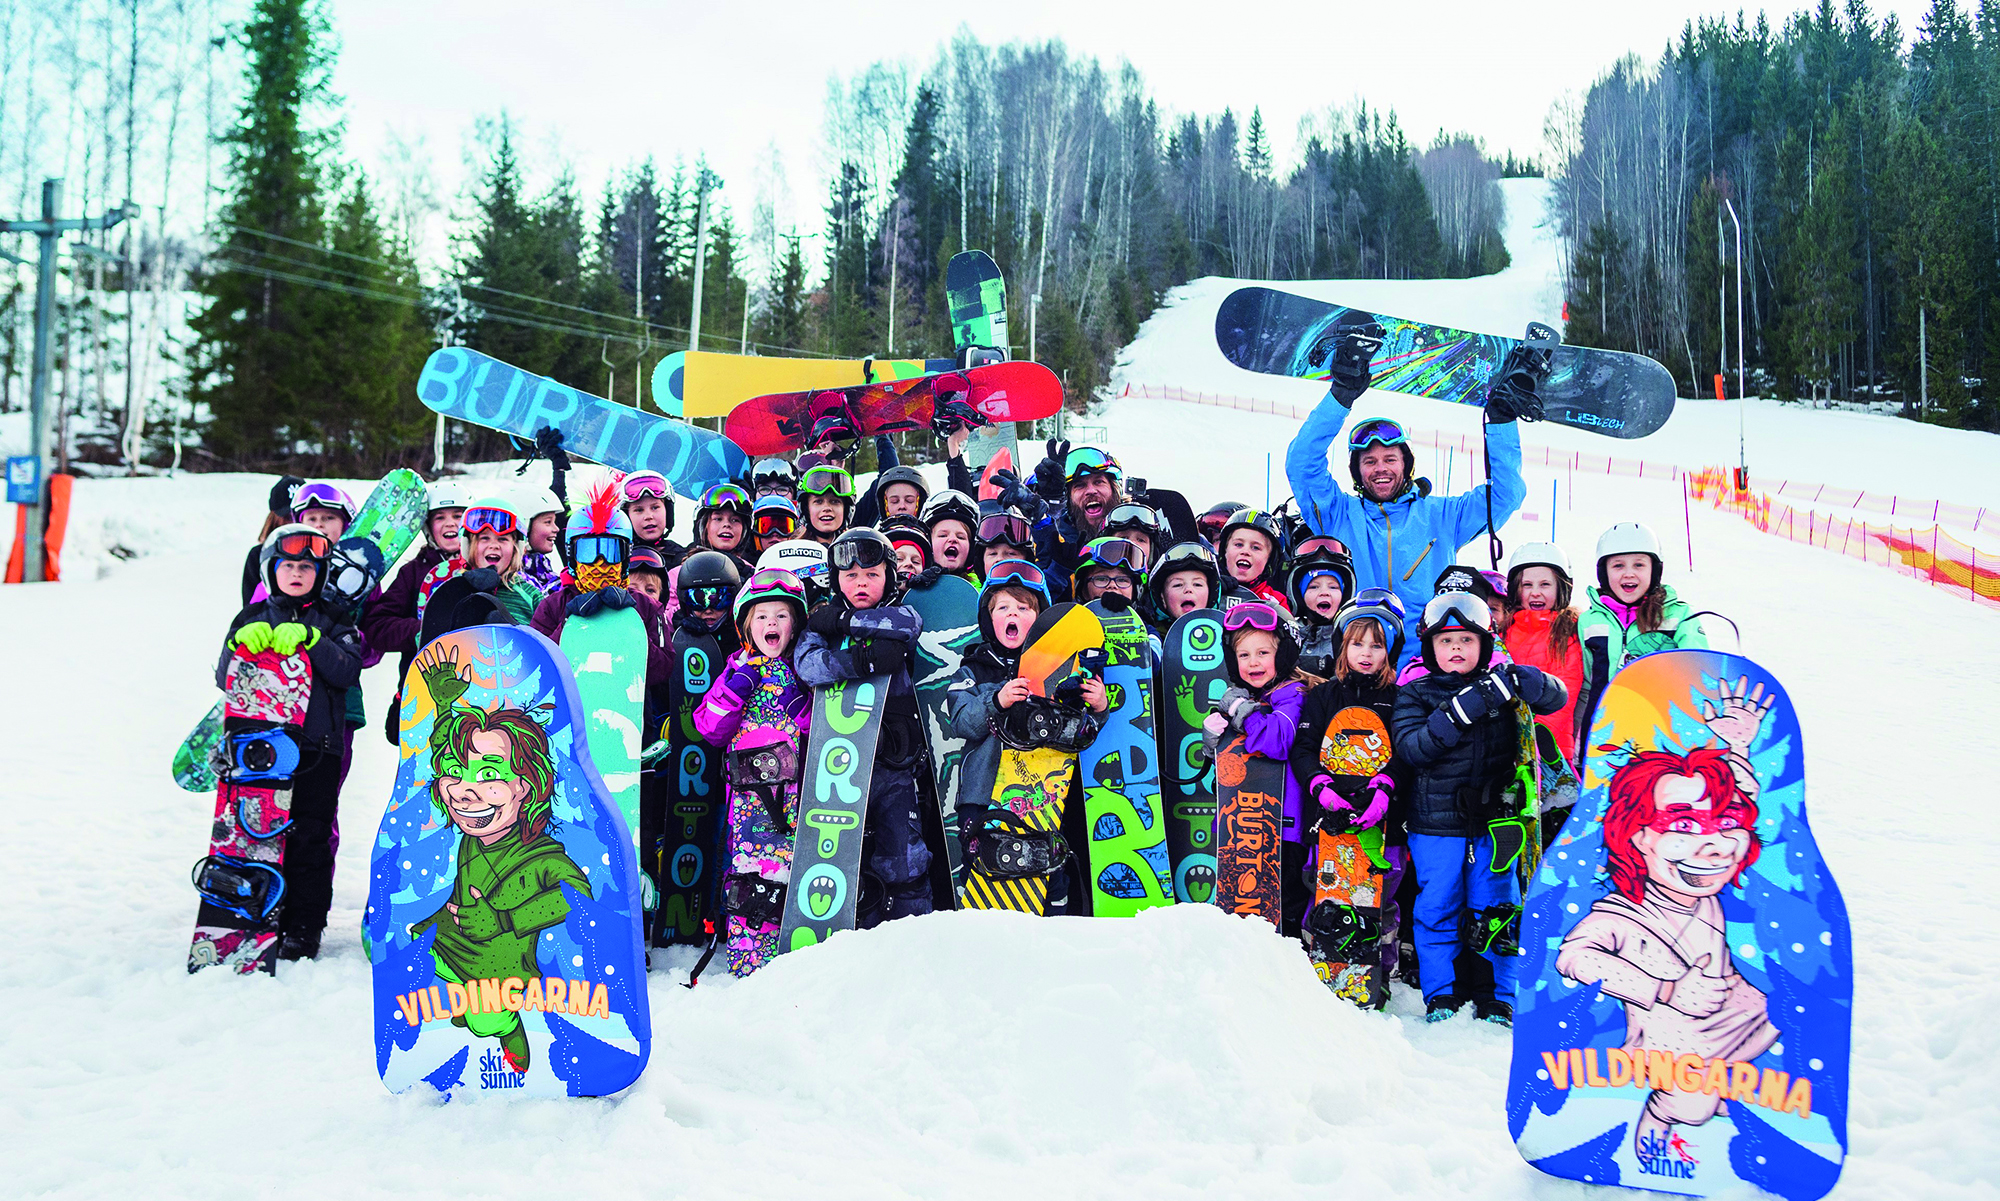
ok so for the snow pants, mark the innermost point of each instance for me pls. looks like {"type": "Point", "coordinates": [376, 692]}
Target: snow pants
{"type": "Point", "coordinates": [896, 852]}
{"type": "Point", "coordinates": [309, 844]}
{"type": "Point", "coordinates": [1451, 878]}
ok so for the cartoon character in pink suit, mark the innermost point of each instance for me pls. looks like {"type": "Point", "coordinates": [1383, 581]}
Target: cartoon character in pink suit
{"type": "Point", "coordinates": [1677, 831]}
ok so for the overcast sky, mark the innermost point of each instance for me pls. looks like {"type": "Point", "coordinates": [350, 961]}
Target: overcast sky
{"type": "Point", "coordinates": [599, 84]}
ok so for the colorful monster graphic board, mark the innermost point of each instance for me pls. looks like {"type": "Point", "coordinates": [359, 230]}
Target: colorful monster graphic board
{"type": "Point", "coordinates": [1192, 677]}
{"type": "Point", "coordinates": [1128, 862]}
{"type": "Point", "coordinates": [950, 612]}
{"type": "Point", "coordinates": [691, 831]}
{"type": "Point", "coordinates": [1349, 878]}
{"type": "Point", "coordinates": [1685, 1005]}
{"type": "Point", "coordinates": [503, 915]}
{"type": "Point", "coordinates": [825, 889]}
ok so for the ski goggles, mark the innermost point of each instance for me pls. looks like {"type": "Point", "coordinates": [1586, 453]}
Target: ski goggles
{"type": "Point", "coordinates": [645, 558]}
{"type": "Point", "coordinates": [1007, 528]}
{"type": "Point", "coordinates": [1462, 610]}
{"type": "Point", "coordinates": [597, 548]}
{"type": "Point", "coordinates": [862, 552]}
{"type": "Point", "coordinates": [302, 545]}
{"type": "Point", "coordinates": [1251, 615]}
{"type": "Point", "coordinates": [776, 524]}
{"type": "Point", "coordinates": [480, 520]}
{"type": "Point", "coordinates": [1132, 513]}
{"type": "Point", "coordinates": [1319, 546]}
{"type": "Point", "coordinates": [1210, 524]}
{"type": "Point", "coordinates": [1374, 602]}
{"type": "Point", "coordinates": [1116, 552]}
{"type": "Point", "coordinates": [726, 496]}
{"type": "Point", "coordinates": [827, 479]}
{"type": "Point", "coordinates": [1377, 431]}
{"type": "Point", "coordinates": [320, 495]}
{"type": "Point", "coordinates": [706, 598]}
{"type": "Point", "coordinates": [642, 484]}
{"type": "Point", "coordinates": [1087, 461]}
{"type": "Point", "coordinates": [1020, 573]}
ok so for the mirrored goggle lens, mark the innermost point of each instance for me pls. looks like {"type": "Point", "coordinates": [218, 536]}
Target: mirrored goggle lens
{"type": "Point", "coordinates": [848, 555]}
{"type": "Point", "coordinates": [303, 546]}
{"type": "Point", "coordinates": [1017, 571]}
{"type": "Point", "coordinates": [1118, 552]}
{"type": "Point", "coordinates": [1458, 608]}
{"type": "Point", "coordinates": [1319, 546]}
{"type": "Point", "coordinates": [821, 480]}
{"type": "Point", "coordinates": [1004, 527]}
{"type": "Point", "coordinates": [489, 521]}
{"type": "Point", "coordinates": [1255, 615]}
{"type": "Point", "coordinates": [1369, 433]}
{"type": "Point", "coordinates": [776, 523]}
{"type": "Point", "coordinates": [599, 548]}
{"type": "Point", "coordinates": [706, 597]}
{"type": "Point", "coordinates": [724, 494]}
{"type": "Point", "coordinates": [642, 486]}
{"type": "Point", "coordinates": [1088, 460]}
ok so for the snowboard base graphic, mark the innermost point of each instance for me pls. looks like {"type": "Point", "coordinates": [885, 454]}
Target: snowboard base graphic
{"type": "Point", "coordinates": [1191, 677]}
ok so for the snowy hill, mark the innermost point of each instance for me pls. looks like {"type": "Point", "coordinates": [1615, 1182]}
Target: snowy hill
{"type": "Point", "coordinates": [1182, 1054]}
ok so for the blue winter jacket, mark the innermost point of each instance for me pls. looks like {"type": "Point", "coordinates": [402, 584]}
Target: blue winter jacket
{"type": "Point", "coordinates": [1404, 543]}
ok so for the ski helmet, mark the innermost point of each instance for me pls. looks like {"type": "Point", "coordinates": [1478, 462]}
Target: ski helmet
{"type": "Point", "coordinates": [645, 558]}
{"type": "Point", "coordinates": [534, 502]}
{"type": "Point", "coordinates": [639, 485]}
{"type": "Point", "coordinates": [1259, 615]}
{"type": "Point", "coordinates": [908, 531]}
{"type": "Point", "coordinates": [1117, 554]}
{"type": "Point", "coordinates": [597, 539]}
{"type": "Point", "coordinates": [1137, 515]}
{"type": "Point", "coordinates": [722, 498]}
{"type": "Point", "coordinates": [775, 475]}
{"type": "Point", "coordinates": [771, 584]}
{"type": "Point", "coordinates": [1628, 538]}
{"type": "Point", "coordinates": [295, 542]}
{"type": "Point", "coordinates": [1006, 527]}
{"type": "Point", "coordinates": [951, 504]}
{"type": "Point", "coordinates": [1380, 606]}
{"type": "Point", "coordinates": [1265, 524]}
{"type": "Point", "coordinates": [445, 494]}
{"type": "Point", "coordinates": [707, 581]}
{"type": "Point", "coordinates": [862, 547]}
{"type": "Point", "coordinates": [1010, 573]}
{"type": "Point", "coordinates": [901, 475]}
{"type": "Point", "coordinates": [1317, 557]}
{"type": "Point", "coordinates": [323, 494]}
{"type": "Point", "coordinates": [1188, 556]}
{"type": "Point", "coordinates": [1209, 524]}
{"type": "Point", "coordinates": [1541, 554]}
{"type": "Point", "coordinates": [773, 515]}
{"type": "Point", "coordinates": [804, 559]}
{"type": "Point", "coordinates": [1378, 431]}
{"type": "Point", "coordinates": [493, 515]}
{"type": "Point", "coordinates": [1457, 611]}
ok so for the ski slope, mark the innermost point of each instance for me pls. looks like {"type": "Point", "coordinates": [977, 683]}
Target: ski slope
{"type": "Point", "coordinates": [1183, 1054]}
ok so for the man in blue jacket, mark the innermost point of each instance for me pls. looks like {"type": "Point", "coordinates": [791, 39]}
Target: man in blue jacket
{"type": "Point", "coordinates": [1399, 535]}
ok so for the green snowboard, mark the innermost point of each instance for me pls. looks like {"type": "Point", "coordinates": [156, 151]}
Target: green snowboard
{"type": "Point", "coordinates": [607, 653]}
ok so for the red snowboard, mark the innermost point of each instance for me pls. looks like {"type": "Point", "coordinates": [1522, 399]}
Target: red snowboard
{"type": "Point", "coordinates": [783, 421]}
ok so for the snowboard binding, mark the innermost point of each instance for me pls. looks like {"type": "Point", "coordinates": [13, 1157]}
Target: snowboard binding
{"type": "Point", "coordinates": [1343, 933]}
{"type": "Point", "coordinates": [251, 890]}
{"type": "Point", "coordinates": [756, 900]}
{"type": "Point", "coordinates": [1494, 930]}
{"type": "Point", "coordinates": [951, 412]}
{"type": "Point", "coordinates": [1005, 848]}
{"type": "Point", "coordinates": [1347, 354]}
{"type": "Point", "coordinates": [262, 756]}
{"type": "Point", "coordinates": [1038, 722]}
{"type": "Point", "coordinates": [1518, 383]}
{"type": "Point", "coordinates": [831, 420]}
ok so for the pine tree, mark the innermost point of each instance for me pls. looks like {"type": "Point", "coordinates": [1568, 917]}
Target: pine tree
{"type": "Point", "coordinates": [372, 349]}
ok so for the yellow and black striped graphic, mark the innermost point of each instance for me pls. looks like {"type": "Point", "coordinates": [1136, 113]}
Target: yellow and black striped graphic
{"type": "Point", "coordinates": [1034, 784]}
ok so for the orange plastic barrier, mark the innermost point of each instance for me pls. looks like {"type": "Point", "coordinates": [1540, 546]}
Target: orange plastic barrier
{"type": "Point", "coordinates": [52, 544]}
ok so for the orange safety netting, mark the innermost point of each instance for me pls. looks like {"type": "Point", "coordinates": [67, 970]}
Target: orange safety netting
{"type": "Point", "coordinates": [1930, 554]}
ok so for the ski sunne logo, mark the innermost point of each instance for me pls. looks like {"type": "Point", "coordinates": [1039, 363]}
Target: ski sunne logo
{"type": "Point", "coordinates": [494, 1072]}
{"type": "Point", "coordinates": [1666, 1153]}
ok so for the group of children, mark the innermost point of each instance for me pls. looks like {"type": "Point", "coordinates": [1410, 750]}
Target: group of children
{"type": "Point", "coordinates": [800, 591]}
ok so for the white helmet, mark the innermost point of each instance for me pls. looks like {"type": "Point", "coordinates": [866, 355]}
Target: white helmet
{"type": "Point", "coordinates": [1628, 538]}
{"type": "Point", "coordinates": [1539, 554]}
{"type": "Point", "coordinates": [447, 494]}
{"type": "Point", "coordinates": [801, 557]}
{"type": "Point", "coordinates": [536, 501]}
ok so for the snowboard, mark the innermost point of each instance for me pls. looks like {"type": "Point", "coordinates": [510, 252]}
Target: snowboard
{"type": "Point", "coordinates": [607, 655]}
{"type": "Point", "coordinates": [384, 528]}
{"type": "Point", "coordinates": [1192, 677]}
{"type": "Point", "coordinates": [1745, 1083]}
{"type": "Point", "coordinates": [1606, 391]}
{"type": "Point", "coordinates": [689, 874]}
{"type": "Point", "coordinates": [456, 605]}
{"type": "Point", "coordinates": [504, 905]}
{"type": "Point", "coordinates": [700, 383]}
{"type": "Point", "coordinates": [241, 881]}
{"type": "Point", "coordinates": [783, 422]}
{"type": "Point", "coordinates": [989, 489]}
{"type": "Point", "coordinates": [468, 386]}
{"type": "Point", "coordinates": [1178, 513]}
{"type": "Point", "coordinates": [1130, 868]}
{"type": "Point", "coordinates": [1032, 783]}
{"type": "Point", "coordinates": [1346, 919]}
{"type": "Point", "coordinates": [1250, 808]}
{"type": "Point", "coordinates": [950, 613]}
{"type": "Point", "coordinates": [976, 294]}
{"type": "Point", "coordinates": [833, 808]}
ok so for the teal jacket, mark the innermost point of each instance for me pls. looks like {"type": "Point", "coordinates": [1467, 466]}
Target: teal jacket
{"type": "Point", "coordinates": [1609, 644]}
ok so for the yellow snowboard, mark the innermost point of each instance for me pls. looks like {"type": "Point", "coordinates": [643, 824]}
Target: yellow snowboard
{"type": "Point", "coordinates": [705, 384]}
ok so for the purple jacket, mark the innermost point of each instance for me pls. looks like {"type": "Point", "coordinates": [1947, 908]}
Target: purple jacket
{"type": "Point", "coordinates": [746, 687]}
{"type": "Point", "coordinates": [1269, 732]}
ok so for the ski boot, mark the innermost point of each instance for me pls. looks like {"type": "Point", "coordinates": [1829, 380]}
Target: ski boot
{"type": "Point", "coordinates": [1442, 1007]}
{"type": "Point", "coordinates": [1500, 1013]}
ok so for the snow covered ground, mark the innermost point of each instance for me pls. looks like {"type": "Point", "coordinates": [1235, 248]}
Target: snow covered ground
{"type": "Point", "coordinates": [1182, 1054]}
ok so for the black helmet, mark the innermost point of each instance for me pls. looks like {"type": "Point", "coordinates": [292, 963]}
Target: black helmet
{"type": "Point", "coordinates": [1137, 515]}
{"type": "Point", "coordinates": [861, 547]}
{"type": "Point", "coordinates": [902, 475]}
{"type": "Point", "coordinates": [774, 473]}
{"type": "Point", "coordinates": [709, 570]}
{"type": "Point", "coordinates": [1252, 615]}
{"type": "Point", "coordinates": [1313, 562]}
{"type": "Point", "coordinates": [1210, 523]}
{"type": "Point", "coordinates": [1188, 556]}
{"type": "Point", "coordinates": [951, 504]}
{"type": "Point", "coordinates": [1264, 523]}
{"type": "Point", "coordinates": [1457, 611]}
{"type": "Point", "coordinates": [904, 530]}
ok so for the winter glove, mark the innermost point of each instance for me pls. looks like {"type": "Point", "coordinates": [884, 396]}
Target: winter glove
{"type": "Point", "coordinates": [1049, 472]}
{"type": "Point", "coordinates": [585, 604]}
{"type": "Point", "coordinates": [478, 920]}
{"type": "Point", "coordinates": [254, 637]}
{"type": "Point", "coordinates": [741, 681]}
{"type": "Point", "coordinates": [1536, 686]}
{"type": "Point", "coordinates": [483, 579]}
{"type": "Point", "coordinates": [829, 621]}
{"type": "Point", "coordinates": [928, 577]}
{"type": "Point", "coordinates": [549, 445]}
{"type": "Point", "coordinates": [797, 705]}
{"type": "Point", "coordinates": [1468, 706]}
{"type": "Point", "coordinates": [1336, 806]}
{"type": "Point", "coordinates": [1235, 705]}
{"type": "Point", "coordinates": [291, 638]}
{"type": "Point", "coordinates": [1015, 494]}
{"type": "Point", "coordinates": [1497, 686]}
{"type": "Point", "coordinates": [1350, 356]}
{"type": "Point", "coordinates": [615, 597]}
{"type": "Point", "coordinates": [1381, 789]}
{"type": "Point", "coordinates": [879, 656]}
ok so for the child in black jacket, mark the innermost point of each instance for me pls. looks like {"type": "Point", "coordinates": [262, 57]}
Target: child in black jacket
{"type": "Point", "coordinates": [1458, 727]}
{"type": "Point", "coordinates": [291, 620]}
